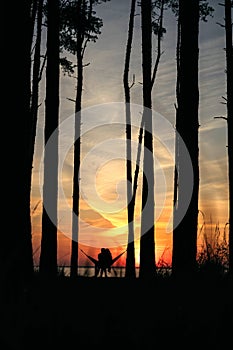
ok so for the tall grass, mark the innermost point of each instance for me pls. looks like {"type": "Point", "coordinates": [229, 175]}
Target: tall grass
{"type": "Point", "coordinates": [213, 250]}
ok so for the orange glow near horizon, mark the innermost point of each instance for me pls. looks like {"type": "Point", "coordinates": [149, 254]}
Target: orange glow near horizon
{"type": "Point", "coordinates": [103, 209]}
{"type": "Point", "coordinates": [103, 204]}
{"type": "Point", "coordinates": [163, 240]}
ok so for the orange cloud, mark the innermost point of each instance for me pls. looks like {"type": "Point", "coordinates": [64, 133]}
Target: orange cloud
{"type": "Point", "coordinates": [95, 219]}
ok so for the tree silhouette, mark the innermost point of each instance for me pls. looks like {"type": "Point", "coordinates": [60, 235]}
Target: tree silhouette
{"type": "Point", "coordinates": [205, 10]}
{"type": "Point", "coordinates": [229, 75]}
{"type": "Point", "coordinates": [16, 251]}
{"type": "Point", "coordinates": [48, 256]}
{"type": "Point", "coordinates": [185, 234]}
{"type": "Point", "coordinates": [158, 30]}
{"type": "Point", "coordinates": [80, 26]}
{"type": "Point", "coordinates": [36, 73]}
{"type": "Point", "coordinates": [130, 258]}
{"type": "Point", "coordinates": [147, 244]}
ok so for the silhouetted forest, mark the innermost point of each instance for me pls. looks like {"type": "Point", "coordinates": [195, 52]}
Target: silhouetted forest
{"type": "Point", "coordinates": [192, 304]}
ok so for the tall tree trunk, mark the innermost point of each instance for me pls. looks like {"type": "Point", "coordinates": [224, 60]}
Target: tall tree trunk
{"type": "Point", "coordinates": [140, 136]}
{"type": "Point", "coordinates": [130, 271]}
{"type": "Point", "coordinates": [77, 151]}
{"type": "Point", "coordinates": [36, 77]}
{"type": "Point", "coordinates": [229, 70]}
{"type": "Point", "coordinates": [187, 124]}
{"type": "Point", "coordinates": [34, 9]}
{"type": "Point", "coordinates": [16, 252]}
{"type": "Point", "coordinates": [176, 169]}
{"type": "Point", "coordinates": [159, 41]}
{"type": "Point", "coordinates": [147, 239]}
{"type": "Point", "coordinates": [48, 257]}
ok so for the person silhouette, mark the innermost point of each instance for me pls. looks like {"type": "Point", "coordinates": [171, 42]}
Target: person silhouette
{"type": "Point", "coordinates": [108, 256]}
{"type": "Point", "coordinates": [105, 260]}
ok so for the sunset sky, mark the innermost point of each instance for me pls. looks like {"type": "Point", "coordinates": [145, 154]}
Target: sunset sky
{"type": "Point", "coordinates": [103, 203]}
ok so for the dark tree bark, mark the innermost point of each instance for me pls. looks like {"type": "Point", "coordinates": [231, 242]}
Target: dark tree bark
{"type": "Point", "coordinates": [130, 271]}
{"type": "Point", "coordinates": [175, 195]}
{"type": "Point", "coordinates": [140, 136]}
{"type": "Point", "coordinates": [147, 240]}
{"type": "Point", "coordinates": [77, 148]}
{"type": "Point", "coordinates": [187, 124]}
{"type": "Point", "coordinates": [159, 43]}
{"type": "Point", "coordinates": [16, 252]}
{"type": "Point", "coordinates": [48, 257]}
{"type": "Point", "coordinates": [36, 77]}
{"type": "Point", "coordinates": [229, 71]}
{"type": "Point", "coordinates": [34, 9]}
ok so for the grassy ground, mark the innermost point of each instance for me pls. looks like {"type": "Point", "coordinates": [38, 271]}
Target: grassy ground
{"type": "Point", "coordinates": [115, 313]}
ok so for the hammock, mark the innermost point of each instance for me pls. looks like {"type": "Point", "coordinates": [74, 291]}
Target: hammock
{"type": "Point", "coordinates": [97, 263]}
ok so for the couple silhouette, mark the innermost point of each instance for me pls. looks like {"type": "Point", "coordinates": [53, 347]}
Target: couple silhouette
{"type": "Point", "coordinates": [104, 263]}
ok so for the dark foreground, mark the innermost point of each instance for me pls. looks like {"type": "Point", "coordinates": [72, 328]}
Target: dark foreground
{"type": "Point", "coordinates": [114, 313]}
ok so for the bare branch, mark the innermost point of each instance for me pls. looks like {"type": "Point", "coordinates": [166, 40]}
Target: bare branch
{"type": "Point", "coordinates": [70, 99]}
{"type": "Point", "coordinates": [86, 65]}
{"type": "Point", "coordinates": [225, 118]}
{"type": "Point", "coordinates": [139, 151]}
{"type": "Point", "coordinates": [133, 82]}
{"type": "Point", "coordinates": [33, 48]}
{"type": "Point", "coordinates": [220, 24]}
{"type": "Point", "coordinates": [42, 67]}
{"type": "Point", "coordinates": [159, 53]}
{"type": "Point", "coordinates": [84, 47]}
